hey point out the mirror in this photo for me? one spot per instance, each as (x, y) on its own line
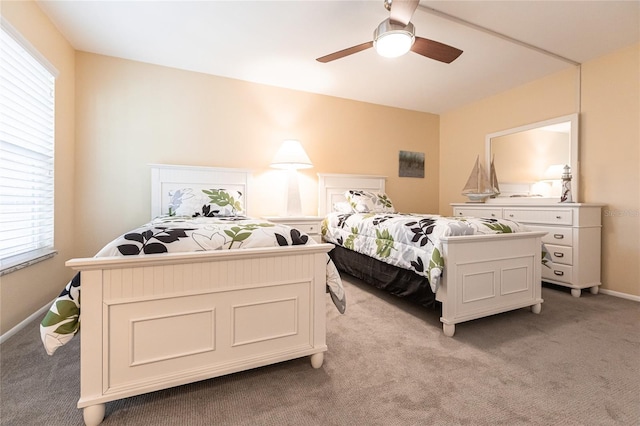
(529, 160)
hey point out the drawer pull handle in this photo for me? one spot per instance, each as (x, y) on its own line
(558, 273)
(558, 236)
(558, 217)
(493, 215)
(511, 215)
(558, 254)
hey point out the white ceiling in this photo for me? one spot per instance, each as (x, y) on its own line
(276, 42)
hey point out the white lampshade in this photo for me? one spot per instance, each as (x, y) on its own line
(553, 172)
(291, 155)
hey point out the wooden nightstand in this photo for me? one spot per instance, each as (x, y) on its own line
(310, 225)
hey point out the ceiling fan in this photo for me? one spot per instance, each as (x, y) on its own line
(395, 36)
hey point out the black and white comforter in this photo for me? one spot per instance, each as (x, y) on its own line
(173, 234)
(408, 241)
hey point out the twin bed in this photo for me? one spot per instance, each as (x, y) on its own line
(226, 311)
(485, 274)
(162, 320)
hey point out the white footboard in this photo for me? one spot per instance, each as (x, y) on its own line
(154, 322)
(489, 274)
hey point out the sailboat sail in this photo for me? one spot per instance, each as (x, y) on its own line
(493, 178)
(478, 186)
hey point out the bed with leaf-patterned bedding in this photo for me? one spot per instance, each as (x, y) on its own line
(199, 292)
(474, 267)
(180, 234)
(411, 242)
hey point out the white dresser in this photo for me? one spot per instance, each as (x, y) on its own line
(573, 237)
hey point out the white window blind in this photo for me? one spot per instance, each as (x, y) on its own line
(26, 154)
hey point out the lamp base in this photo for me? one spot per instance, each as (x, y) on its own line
(294, 205)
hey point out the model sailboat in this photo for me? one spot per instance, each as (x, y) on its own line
(478, 187)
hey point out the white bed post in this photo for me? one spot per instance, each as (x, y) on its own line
(319, 310)
(91, 342)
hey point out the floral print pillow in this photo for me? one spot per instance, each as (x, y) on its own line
(343, 207)
(205, 202)
(369, 202)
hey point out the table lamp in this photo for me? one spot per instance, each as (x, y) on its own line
(291, 157)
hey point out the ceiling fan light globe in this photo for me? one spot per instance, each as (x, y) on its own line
(393, 45)
(391, 39)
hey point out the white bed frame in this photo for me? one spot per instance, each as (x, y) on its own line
(484, 274)
(158, 321)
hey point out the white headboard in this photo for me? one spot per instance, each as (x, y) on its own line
(165, 178)
(331, 188)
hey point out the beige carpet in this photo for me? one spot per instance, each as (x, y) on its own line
(577, 363)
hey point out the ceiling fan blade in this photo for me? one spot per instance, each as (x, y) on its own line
(402, 10)
(345, 52)
(435, 50)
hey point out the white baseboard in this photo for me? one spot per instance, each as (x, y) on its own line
(26, 322)
(621, 295)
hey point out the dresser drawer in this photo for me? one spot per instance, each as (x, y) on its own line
(475, 212)
(555, 235)
(557, 272)
(310, 225)
(560, 254)
(550, 216)
(307, 228)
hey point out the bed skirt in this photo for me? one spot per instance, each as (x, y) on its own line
(392, 279)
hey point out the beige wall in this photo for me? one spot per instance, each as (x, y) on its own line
(131, 114)
(609, 144)
(25, 291)
(610, 161)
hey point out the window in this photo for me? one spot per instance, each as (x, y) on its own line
(27, 89)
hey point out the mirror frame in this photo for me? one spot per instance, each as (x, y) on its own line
(574, 164)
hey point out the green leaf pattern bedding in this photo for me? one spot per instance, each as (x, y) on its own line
(173, 234)
(407, 241)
